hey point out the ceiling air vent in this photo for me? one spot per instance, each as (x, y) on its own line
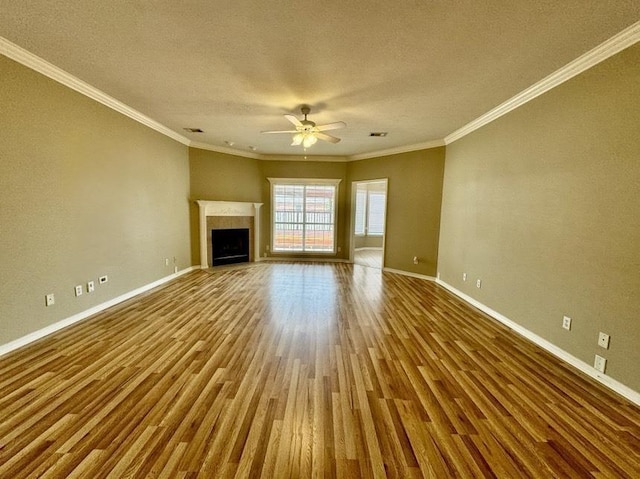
(193, 130)
(378, 133)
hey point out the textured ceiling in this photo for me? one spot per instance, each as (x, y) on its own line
(417, 69)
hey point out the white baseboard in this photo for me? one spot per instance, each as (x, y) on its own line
(304, 260)
(607, 381)
(408, 273)
(52, 328)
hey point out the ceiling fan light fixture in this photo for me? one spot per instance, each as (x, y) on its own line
(297, 139)
(306, 132)
(309, 140)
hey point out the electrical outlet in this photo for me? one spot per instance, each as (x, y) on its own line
(600, 363)
(103, 279)
(339, 249)
(49, 300)
(175, 269)
(79, 290)
(415, 260)
(566, 323)
(91, 286)
(438, 275)
(166, 261)
(603, 340)
(464, 276)
(478, 283)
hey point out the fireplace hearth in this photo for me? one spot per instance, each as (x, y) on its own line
(229, 246)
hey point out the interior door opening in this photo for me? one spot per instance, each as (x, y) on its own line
(369, 222)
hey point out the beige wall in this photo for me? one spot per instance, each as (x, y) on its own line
(413, 205)
(220, 177)
(544, 205)
(368, 241)
(84, 192)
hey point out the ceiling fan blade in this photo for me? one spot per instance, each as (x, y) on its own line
(293, 120)
(331, 126)
(325, 137)
(280, 131)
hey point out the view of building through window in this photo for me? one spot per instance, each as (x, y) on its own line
(304, 216)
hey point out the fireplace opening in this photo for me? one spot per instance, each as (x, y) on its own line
(230, 246)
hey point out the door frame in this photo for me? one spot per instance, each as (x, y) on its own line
(352, 222)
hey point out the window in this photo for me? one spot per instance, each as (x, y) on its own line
(370, 205)
(303, 214)
(375, 210)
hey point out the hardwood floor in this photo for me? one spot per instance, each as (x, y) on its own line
(304, 370)
(371, 257)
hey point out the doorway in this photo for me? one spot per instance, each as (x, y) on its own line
(369, 215)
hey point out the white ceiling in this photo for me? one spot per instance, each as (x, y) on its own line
(417, 69)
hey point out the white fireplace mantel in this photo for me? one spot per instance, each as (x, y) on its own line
(227, 208)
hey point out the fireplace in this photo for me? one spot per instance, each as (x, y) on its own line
(221, 215)
(229, 246)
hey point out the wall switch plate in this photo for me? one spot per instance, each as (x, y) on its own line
(478, 283)
(600, 363)
(49, 300)
(103, 279)
(91, 286)
(464, 276)
(78, 290)
(566, 323)
(166, 261)
(603, 340)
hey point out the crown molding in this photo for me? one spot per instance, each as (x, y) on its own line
(304, 157)
(607, 49)
(28, 59)
(265, 157)
(225, 150)
(400, 149)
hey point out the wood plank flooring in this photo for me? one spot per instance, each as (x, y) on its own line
(371, 257)
(304, 370)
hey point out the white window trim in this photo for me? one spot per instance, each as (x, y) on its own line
(305, 181)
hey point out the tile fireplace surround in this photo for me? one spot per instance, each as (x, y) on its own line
(226, 208)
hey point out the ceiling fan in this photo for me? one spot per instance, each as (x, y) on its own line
(307, 133)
